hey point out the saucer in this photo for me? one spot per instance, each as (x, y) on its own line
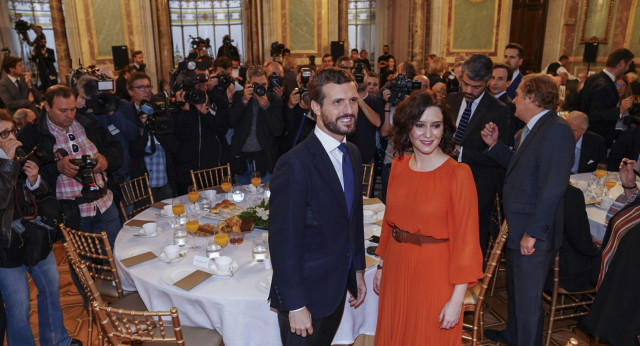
(178, 259)
(142, 235)
(234, 269)
(163, 214)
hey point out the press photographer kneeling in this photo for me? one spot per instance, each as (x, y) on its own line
(25, 246)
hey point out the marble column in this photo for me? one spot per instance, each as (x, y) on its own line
(418, 32)
(164, 47)
(60, 35)
(343, 23)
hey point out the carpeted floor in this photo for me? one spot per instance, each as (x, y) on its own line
(75, 317)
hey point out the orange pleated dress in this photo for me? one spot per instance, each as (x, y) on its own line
(417, 281)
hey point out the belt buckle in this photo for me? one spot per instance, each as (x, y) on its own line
(397, 235)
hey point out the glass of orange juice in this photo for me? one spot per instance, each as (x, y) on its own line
(226, 184)
(610, 181)
(256, 179)
(193, 194)
(192, 226)
(221, 238)
(601, 170)
(177, 206)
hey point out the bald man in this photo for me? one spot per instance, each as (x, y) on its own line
(23, 117)
(590, 147)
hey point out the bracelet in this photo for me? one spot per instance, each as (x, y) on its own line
(629, 187)
(379, 266)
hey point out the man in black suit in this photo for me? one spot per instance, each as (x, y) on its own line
(513, 57)
(590, 147)
(534, 184)
(316, 232)
(472, 109)
(599, 97)
(16, 90)
(498, 84)
(627, 145)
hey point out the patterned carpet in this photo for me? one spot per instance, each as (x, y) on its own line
(75, 317)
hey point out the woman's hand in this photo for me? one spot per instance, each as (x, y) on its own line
(450, 314)
(376, 281)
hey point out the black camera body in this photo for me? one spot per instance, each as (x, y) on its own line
(105, 83)
(259, 89)
(224, 80)
(453, 86)
(305, 77)
(185, 78)
(85, 176)
(276, 49)
(103, 103)
(195, 42)
(157, 124)
(274, 80)
(358, 73)
(400, 88)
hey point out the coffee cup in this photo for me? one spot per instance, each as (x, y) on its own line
(367, 215)
(167, 210)
(211, 194)
(172, 251)
(223, 264)
(149, 228)
(606, 202)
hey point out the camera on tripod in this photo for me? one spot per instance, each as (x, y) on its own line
(185, 77)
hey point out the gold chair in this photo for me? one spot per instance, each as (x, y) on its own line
(94, 251)
(367, 179)
(474, 297)
(150, 327)
(209, 178)
(502, 261)
(562, 310)
(136, 192)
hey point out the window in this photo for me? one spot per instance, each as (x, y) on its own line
(362, 28)
(205, 19)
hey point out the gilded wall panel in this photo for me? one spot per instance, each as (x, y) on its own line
(473, 25)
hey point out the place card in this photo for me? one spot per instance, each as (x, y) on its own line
(370, 261)
(159, 205)
(192, 280)
(137, 223)
(137, 259)
(371, 201)
(201, 261)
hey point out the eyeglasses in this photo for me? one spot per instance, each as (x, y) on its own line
(74, 146)
(143, 87)
(348, 68)
(5, 134)
(620, 85)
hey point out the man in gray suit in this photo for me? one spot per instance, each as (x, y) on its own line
(16, 90)
(536, 179)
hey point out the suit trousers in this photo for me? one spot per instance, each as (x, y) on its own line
(324, 328)
(526, 276)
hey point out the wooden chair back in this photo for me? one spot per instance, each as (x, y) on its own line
(94, 251)
(367, 179)
(137, 193)
(209, 178)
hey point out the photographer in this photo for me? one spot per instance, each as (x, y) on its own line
(228, 50)
(44, 58)
(151, 150)
(370, 117)
(256, 119)
(79, 185)
(200, 131)
(299, 120)
(275, 77)
(25, 246)
(222, 85)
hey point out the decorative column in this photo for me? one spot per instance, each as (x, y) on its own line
(343, 23)
(253, 38)
(418, 24)
(60, 35)
(164, 48)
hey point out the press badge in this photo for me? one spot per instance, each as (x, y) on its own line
(113, 129)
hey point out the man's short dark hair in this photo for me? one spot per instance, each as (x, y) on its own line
(343, 59)
(134, 77)
(516, 46)
(564, 57)
(255, 71)
(135, 53)
(222, 61)
(327, 56)
(386, 45)
(478, 68)
(329, 75)
(88, 86)
(354, 50)
(10, 62)
(509, 72)
(57, 90)
(409, 69)
(618, 55)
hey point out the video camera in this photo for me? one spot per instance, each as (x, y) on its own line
(195, 42)
(400, 87)
(227, 40)
(305, 76)
(105, 83)
(276, 49)
(358, 73)
(156, 124)
(185, 78)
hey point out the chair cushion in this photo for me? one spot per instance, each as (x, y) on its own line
(108, 289)
(130, 302)
(192, 336)
(471, 296)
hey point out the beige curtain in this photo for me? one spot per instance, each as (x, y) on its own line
(253, 34)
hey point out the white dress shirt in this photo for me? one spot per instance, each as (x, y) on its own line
(463, 105)
(330, 145)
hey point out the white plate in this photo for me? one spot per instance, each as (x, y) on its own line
(163, 214)
(139, 250)
(142, 235)
(372, 230)
(266, 280)
(178, 259)
(374, 207)
(176, 274)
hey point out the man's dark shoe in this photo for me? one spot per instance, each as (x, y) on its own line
(496, 335)
(75, 342)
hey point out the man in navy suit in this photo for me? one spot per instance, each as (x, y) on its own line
(513, 56)
(590, 147)
(534, 185)
(316, 230)
(599, 96)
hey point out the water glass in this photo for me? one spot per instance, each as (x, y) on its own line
(260, 250)
(213, 250)
(180, 236)
(238, 194)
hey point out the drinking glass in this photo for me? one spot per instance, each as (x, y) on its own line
(221, 238)
(601, 170)
(180, 236)
(192, 226)
(177, 206)
(610, 182)
(213, 248)
(226, 184)
(193, 195)
(238, 194)
(260, 250)
(256, 179)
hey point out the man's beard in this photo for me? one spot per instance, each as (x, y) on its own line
(334, 126)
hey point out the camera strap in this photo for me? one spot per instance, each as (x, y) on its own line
(29, 199)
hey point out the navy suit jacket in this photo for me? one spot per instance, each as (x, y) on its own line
(593, 152)
(511, 90)
(311, 233)
(599, 100)
(536, 180)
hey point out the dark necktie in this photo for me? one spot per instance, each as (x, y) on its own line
(18, 86)
(464, 121)
(347, 176)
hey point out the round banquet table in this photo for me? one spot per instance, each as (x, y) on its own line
(595, 213)
(237, 306)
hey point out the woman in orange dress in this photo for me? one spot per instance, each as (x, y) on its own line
(429, 242)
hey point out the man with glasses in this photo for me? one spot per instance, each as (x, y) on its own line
(327, 61)
(346, 63)
(472, 108)
(62, 135)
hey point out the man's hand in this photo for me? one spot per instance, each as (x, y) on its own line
(9, 147)
(362, 291)
(31, 98)
(180, 98)
(490, 134)
(101, 163)
(202, 108)
(300, 322)
(231, 89)
(294, 98)
(526, 245)
(31, 170)
(263, 101)
(66, 167)
(247, 93)
(279, 90)
(27, 79)
(625, 104)
(386, 94)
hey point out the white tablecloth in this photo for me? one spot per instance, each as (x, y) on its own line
(235, 306)
(595, 213)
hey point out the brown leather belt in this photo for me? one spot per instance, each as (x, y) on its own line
(417, 239)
